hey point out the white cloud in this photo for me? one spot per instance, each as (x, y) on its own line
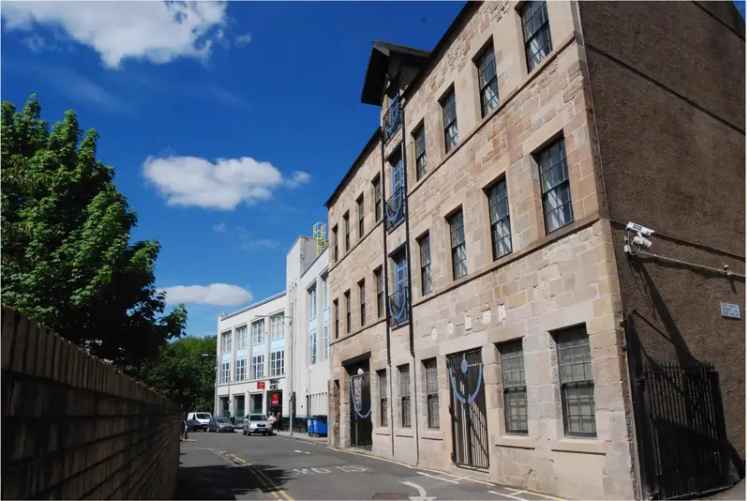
(223, 184)
(259, 243)
(220, 228)
(243, 40)
(154, 31)
(298, 178)
(213, 294)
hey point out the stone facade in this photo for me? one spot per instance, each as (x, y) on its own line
(550, 281)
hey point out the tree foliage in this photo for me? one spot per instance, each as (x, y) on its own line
(67, 259)
(185, 373)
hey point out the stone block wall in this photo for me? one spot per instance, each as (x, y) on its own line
(76, 428)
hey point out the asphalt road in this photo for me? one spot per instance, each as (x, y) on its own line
(232, 466)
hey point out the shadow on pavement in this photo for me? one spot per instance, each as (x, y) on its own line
(227, 481)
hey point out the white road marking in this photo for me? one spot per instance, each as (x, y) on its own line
(422, 493)
(298, 451)
(513, 491)
(511, 496)
(437, 477)
(553, 498)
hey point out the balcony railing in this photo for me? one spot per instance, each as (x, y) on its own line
(398, 306)
(392, 119)
(394, 209)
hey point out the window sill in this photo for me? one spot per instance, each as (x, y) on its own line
(432, 434)
(404, 432)
(580, 445)
(384, 431)
(515, 442)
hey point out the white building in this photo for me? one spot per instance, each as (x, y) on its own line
(251, 360)
(309, 327)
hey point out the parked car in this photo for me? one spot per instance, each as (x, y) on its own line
(199, 420)
(256, 423)
(220, 424)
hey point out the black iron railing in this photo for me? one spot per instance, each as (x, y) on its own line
(392, 119)
(394, 209)
(398, 306)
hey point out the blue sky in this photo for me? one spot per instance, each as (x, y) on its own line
(228, 125)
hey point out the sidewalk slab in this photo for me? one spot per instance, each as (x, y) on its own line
(303, 436)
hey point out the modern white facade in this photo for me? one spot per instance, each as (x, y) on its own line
(309, 326)
(251, 355)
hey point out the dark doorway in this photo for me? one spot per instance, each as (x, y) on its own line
(468, 409)
(681, 431)
(361, 410)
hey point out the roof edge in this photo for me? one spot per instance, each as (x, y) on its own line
(253, 305)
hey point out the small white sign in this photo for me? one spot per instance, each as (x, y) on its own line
(730, 310)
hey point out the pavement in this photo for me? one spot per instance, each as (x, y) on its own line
(233, 466)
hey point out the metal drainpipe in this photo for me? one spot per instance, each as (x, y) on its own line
(386, 299)
(408, 270)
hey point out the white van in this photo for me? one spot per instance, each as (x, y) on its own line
(198, 420)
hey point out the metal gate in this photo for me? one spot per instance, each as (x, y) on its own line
(682, 433)
(361, 410)
(468, 410)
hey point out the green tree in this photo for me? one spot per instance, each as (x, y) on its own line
(67, 259)
(185, 372)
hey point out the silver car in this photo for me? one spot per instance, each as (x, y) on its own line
(256, 423)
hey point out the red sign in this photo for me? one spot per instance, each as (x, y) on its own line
(275, 399)
(261, 385)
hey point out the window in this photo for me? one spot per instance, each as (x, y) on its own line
(335, 242)
(277, 326)
(398, 302)
(313, 342)
(380, 293)
(242, 339)
(361, 285)
(336, 318)
(256, 331)
(458, 245)
(277, 363)
(497, 196)
(346, 231)
(489, 95)
(420, 152)
(404, 380)
(258, 366)
(536, 36)
(514, 387)
(431, 389)
(348, 304)
(424, 264)
(450, 125)
(553, 174)
(226, 342)
(377, 196)
(312, 307)
(224, 372)
(361, 216)
(576, 382)
(325, 338)
(239, 370)
(383, 392)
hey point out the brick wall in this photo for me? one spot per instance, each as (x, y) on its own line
(75, 428)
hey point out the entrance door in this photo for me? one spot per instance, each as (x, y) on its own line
(468, 410)
(361, 410)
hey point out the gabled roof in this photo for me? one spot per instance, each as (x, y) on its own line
(377, 67)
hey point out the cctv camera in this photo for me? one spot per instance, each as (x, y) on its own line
(640, 229)
(640, 241)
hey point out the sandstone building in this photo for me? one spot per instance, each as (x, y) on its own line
(485, 314)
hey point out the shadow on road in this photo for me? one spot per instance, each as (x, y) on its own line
(227, 481)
